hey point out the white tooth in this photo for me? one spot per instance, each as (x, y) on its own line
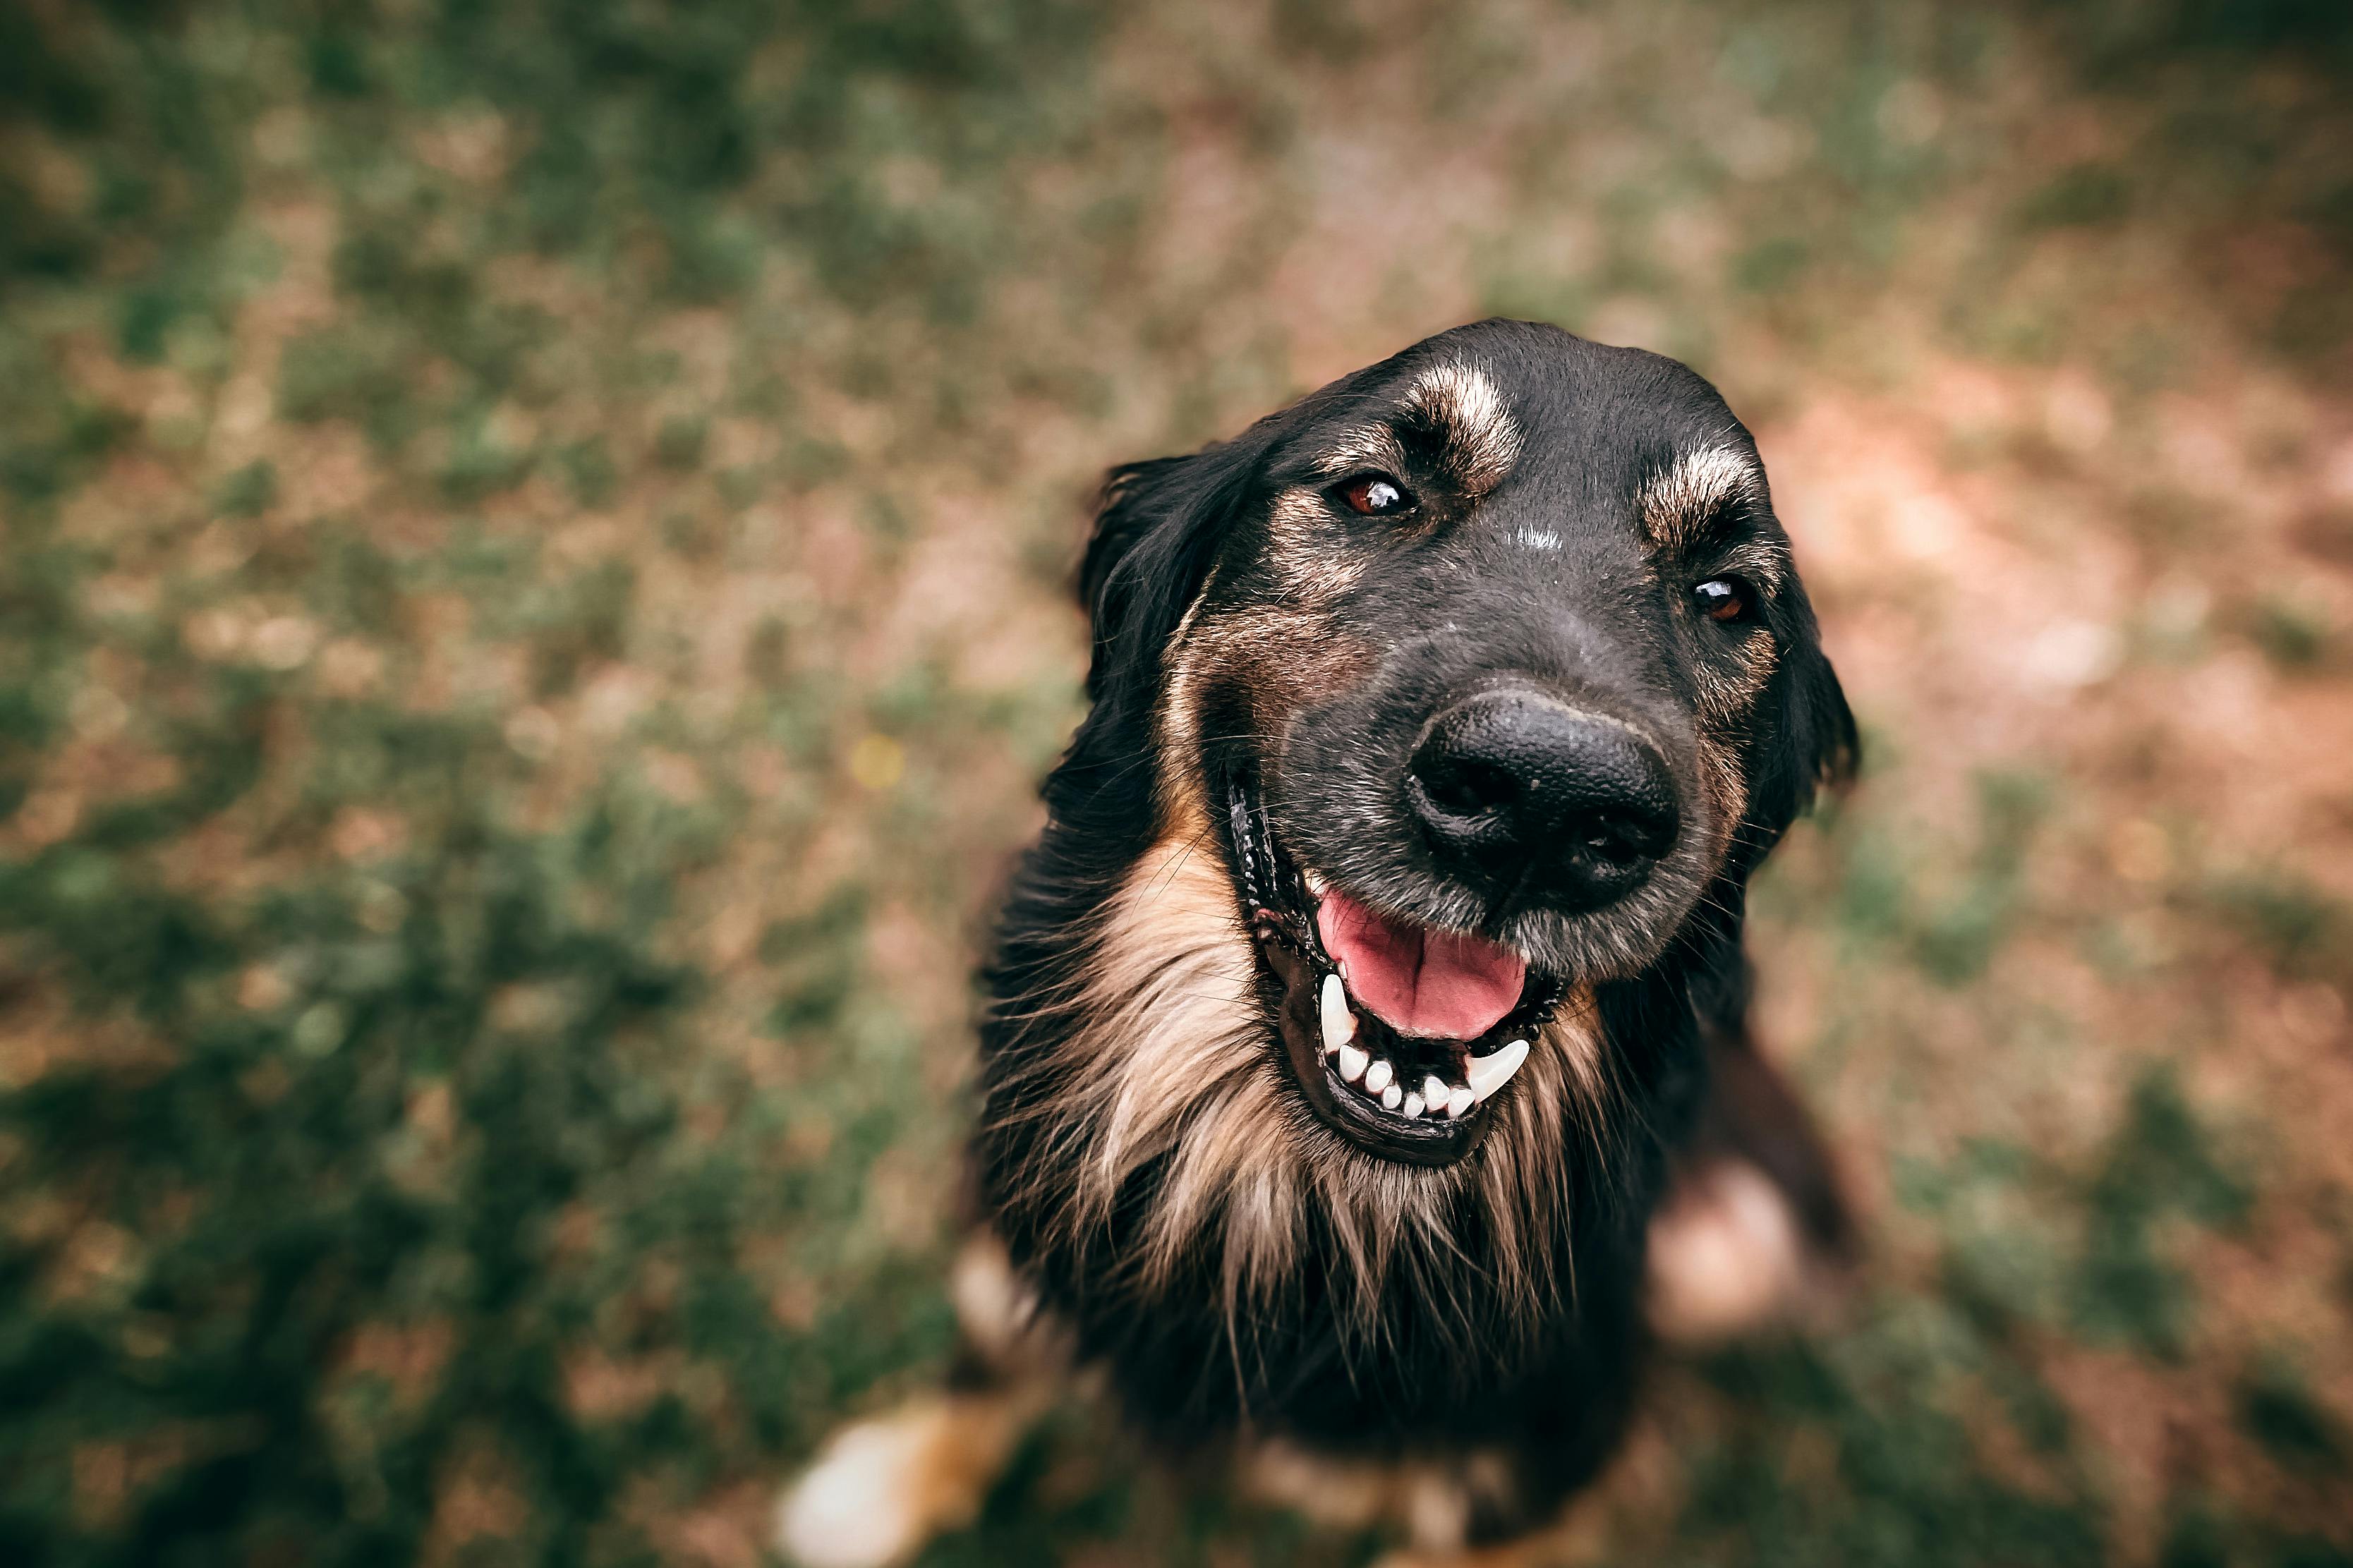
(1433, 1092)
(1339, 1024)
(1377, 1075)
(1352, 1062)
(1458, 1100)
(1489, 1073)
(1315, 883)
(1392, 1097)
(1412, 1106)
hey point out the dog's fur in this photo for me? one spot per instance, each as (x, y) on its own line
(1158, 1200)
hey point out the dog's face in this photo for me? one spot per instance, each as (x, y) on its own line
(1479, 669)
(1438, 723)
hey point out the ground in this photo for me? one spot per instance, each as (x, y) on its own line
(536, 597)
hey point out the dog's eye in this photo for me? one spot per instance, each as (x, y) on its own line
(1374, 495)
(1721, 599)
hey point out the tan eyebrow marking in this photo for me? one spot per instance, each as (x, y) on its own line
(1479, 439)
(1677, 503)
(1482, 439)
(1371, 447)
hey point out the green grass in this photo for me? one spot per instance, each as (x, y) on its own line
(533, 599)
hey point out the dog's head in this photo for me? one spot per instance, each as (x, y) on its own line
(1438, 721)
(1478, 670)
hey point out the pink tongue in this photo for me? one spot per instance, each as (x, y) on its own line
(1420, 981)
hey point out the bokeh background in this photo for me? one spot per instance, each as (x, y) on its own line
(534, 599)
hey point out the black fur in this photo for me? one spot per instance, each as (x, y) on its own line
(1450, 1361)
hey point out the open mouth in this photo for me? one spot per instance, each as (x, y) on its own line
(1401, 1037)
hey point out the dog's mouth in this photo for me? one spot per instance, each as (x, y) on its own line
(1401, 1037)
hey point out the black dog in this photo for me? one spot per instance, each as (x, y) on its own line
(1366, 990)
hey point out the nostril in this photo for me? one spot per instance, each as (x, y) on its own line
(1624, 837)
(1517, 789)
(1466, 786)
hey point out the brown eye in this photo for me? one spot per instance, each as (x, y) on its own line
(1721, 599)
(1374, 495)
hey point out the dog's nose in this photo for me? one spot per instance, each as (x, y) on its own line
(1528, 799)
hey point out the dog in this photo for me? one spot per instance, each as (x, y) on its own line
(1366, 1084)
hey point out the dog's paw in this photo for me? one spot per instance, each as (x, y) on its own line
(1529, 1554)
(1728, 1255)
(882, 1488)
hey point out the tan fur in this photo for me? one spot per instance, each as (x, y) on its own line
(1480, 443)
(1180, 789)
(1430, 1501)
(1480, 440)
(1483, 440)
(1726, 702)
(1314, 568)
(1169, 1065)
(883, 1488)
(1681, 500)
(1373, 447)
(1282, 655)
(1336, 1493)
(999, 1311)
(1725, 1255)
(1526, 1552)
(1727, 705)
(1175, 1060)
(1675, 507)
(1725, 789)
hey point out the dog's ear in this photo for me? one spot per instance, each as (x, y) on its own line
(1812, 744)
(1157, 533)
(1821, 725)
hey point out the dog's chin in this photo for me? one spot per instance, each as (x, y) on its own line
(1404, 1055)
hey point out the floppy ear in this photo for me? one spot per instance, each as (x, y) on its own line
(1812, 743)
(1155, 537)
(1821, 725)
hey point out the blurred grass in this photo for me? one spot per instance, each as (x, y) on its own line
(532, 607)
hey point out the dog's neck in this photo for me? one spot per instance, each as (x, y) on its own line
(1155, 1170)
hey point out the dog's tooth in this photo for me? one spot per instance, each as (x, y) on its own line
(1377, 1075)
(1412, 1106)
(1314, 880)
(1392, 1097)
(1433, 1091)
(1458, 1100)
(1339, 1024)
(1352, 1062)
(1489, 1073)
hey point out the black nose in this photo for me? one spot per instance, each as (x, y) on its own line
(1533, 801)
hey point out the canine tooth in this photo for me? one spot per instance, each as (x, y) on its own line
(1489, 1073)
(1433, 1091)
(1314, 880)
(1392, 1097)
(1412, 1106)
(1352, 1062)
(1377, 1075)
(1339, 1024)
(1458, 1100)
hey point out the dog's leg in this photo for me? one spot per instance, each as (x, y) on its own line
(1469, 1516)
(1463, 1513)
(1533, 1552)
(1755, 1217)
(882, 1488)
(1337, 1494)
